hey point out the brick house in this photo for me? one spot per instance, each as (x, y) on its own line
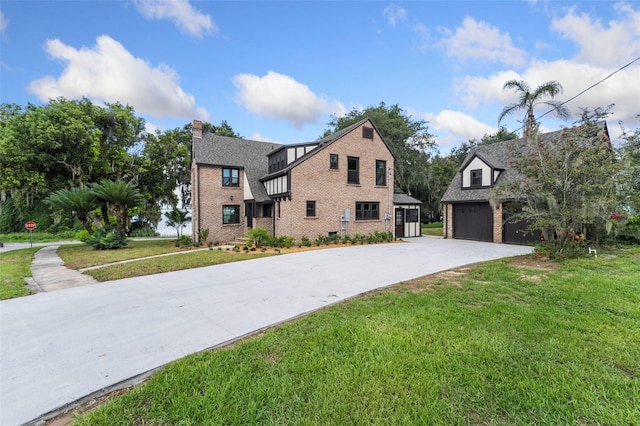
(340, 184)
(467, 212)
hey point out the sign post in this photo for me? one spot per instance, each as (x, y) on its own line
(30, 226)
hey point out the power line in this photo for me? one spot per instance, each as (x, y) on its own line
(585, 90)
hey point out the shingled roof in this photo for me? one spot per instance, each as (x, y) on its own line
(252, 156)
(498, 156)
(223, 151)
(323, 143)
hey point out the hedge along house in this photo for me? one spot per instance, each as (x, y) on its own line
(467, 212)
(340, 184)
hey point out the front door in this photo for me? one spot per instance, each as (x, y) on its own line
(399, 223)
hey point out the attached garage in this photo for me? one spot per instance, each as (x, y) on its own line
(473, 221)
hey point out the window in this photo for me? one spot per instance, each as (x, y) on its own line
(230, 214)
(230, 177)
(333, 161)
(353, 173)
(367, 132)
(311, 208)
(381, 173)
(412, 215)
(266, 210)
(367, 211)
(476, 178)
(277, 161)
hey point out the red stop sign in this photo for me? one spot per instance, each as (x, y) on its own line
(30, 225)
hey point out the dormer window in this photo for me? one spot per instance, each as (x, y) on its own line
(476, 178)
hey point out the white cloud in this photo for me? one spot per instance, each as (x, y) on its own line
(255, 136)
(455, 127)
(622, 89)
(280, 96)
(478, 41)
(608, 46)
(4, 23)
(110, 73)
(186, 18)
(394, 13)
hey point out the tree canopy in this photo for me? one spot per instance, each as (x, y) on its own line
(70, 144)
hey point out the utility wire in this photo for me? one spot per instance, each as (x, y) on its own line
(584, 91)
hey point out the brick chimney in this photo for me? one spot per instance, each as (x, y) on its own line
(197, 129)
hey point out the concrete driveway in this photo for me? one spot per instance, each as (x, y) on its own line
(59, 347)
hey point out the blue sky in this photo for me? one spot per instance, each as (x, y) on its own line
(277, 71)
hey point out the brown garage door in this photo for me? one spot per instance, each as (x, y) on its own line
(473, 221)
(515, 233)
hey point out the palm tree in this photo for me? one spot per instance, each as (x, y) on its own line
(120, 196)
(528, 100)
(77, 201)
(178, 219)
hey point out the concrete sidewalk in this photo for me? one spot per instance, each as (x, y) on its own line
(49, 273)
(61, 346)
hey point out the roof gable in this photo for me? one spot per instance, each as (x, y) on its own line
(325, 142)
(240, 153)
(498, 155)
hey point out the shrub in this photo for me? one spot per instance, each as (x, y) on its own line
(282, 241)
(185, 240)
(305, 241)
(259, 237)
(203, 235)
(322, 240)
(106, 240)
(142, 229)
(82, 235)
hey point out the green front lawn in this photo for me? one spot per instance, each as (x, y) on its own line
(514, 341)
(434, 229)
(15, 265)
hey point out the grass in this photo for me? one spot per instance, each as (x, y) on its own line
(38, 237)
(178, 262)
(14, 267)
(514, 341)
(434, 229)
(82, 256)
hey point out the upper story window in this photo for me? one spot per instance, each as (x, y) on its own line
(367, 211)
(353, 170)
(311, 208)
(333, 161)
(476, 178)
(278, 161)
(367, 132)
(381, 173)
(230, 177)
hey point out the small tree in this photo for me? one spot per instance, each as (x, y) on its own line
(566, 184)
(178, 219)
(259, 237)
(79, 202)
(120, 196)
